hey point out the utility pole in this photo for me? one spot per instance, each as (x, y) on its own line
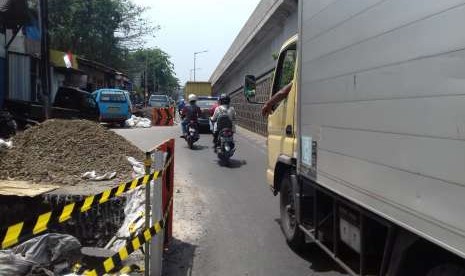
(192, 70)
(44, 57)
(195, 57)
(146, 89)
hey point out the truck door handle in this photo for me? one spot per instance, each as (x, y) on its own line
(289, 130)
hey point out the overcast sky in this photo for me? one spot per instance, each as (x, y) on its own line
(189, 26)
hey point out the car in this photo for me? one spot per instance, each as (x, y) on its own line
(128, 97)
(206, 103)
(159, 101)
(72, 102)
(113, 105)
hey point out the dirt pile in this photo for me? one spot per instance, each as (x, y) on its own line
(60, 151)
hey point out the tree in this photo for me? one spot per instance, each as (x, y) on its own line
(160, 71)
(100, 30)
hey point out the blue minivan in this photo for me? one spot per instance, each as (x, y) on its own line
(113, 105)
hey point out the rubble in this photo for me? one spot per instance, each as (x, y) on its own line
(60, 151)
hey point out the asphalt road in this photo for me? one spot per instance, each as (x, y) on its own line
(227, 218)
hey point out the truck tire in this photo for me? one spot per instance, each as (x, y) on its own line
(294, 236)
(447, 270)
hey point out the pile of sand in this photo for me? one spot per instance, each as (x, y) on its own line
(60, 151)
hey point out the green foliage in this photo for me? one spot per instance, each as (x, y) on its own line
(160, 71)
(112, 32)
(100, 30)
(275, 56)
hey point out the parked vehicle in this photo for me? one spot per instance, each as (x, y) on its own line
(206, 103)
(159, 101)
(199, 88)
(72, 98)
(69, 103)
(131, 106)
(367, 152)
(225, 146)
(113, 105)
(192, 134)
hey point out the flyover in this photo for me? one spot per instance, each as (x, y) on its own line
(253, 52)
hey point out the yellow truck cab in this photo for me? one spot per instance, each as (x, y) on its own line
(282, 140)
(281, 123)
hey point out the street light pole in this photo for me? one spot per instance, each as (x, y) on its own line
(192, 70)
(195, 57)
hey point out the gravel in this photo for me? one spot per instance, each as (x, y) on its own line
(60, 151)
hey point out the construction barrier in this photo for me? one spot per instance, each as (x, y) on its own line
(159, 203)
(159, 165)
(24, 230)
(168, 182)
(163, 116)
(133, 244)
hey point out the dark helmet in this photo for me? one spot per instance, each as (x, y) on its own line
(224, 99)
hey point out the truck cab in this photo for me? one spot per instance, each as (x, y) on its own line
(282, 140)
(281, 123)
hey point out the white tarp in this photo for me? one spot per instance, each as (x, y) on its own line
(5, 144)
(135, 121)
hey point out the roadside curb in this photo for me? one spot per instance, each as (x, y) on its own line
(252, 136)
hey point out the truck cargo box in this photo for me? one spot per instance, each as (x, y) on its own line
(381, 103)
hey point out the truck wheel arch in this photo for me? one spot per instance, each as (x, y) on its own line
(283, 165)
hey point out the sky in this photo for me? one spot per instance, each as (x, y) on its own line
(189, 26)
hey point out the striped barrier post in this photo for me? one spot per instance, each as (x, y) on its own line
(24, 230)
(162, 227)
(163, 116)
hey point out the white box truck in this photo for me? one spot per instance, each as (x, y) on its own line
(367, 151)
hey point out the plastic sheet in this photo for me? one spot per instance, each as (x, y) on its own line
(47, 254)
(92, 175)
(5, 144)
(135, 121)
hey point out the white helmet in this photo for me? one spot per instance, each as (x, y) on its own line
(192, 98)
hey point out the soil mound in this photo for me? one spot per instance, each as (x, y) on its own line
(60, 151)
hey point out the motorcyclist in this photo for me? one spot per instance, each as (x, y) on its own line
(211, 110)
(189, 113)
(224, 109)
(181, 105)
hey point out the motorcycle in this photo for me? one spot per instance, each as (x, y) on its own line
(192, 134)
(225, 146)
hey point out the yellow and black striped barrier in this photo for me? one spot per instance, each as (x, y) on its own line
(115, 262)
(24, 230)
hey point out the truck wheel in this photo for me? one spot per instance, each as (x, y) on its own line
(294, 236)
(447, 270)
